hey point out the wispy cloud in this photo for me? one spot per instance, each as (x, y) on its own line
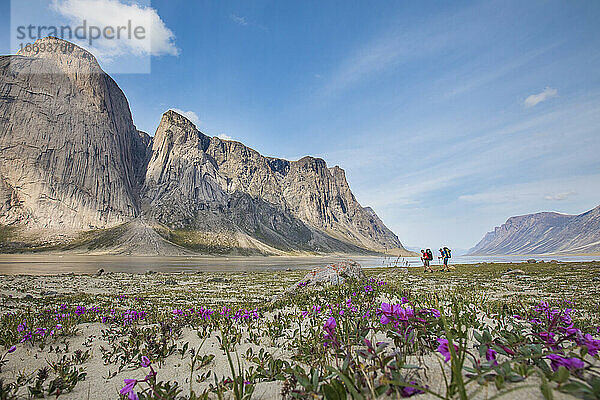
(559, 196)
(469, 80)
(549, 141)
(239, 19)
(224, 137)
(533, 193)
(384, 53)
(158, 38)
(192, 116)
(535, 99)
(408, 43)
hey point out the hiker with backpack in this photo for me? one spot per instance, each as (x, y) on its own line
(445, 255)
(426, 257)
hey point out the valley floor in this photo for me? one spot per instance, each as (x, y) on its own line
(236, 334)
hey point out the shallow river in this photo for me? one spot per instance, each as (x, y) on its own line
(46, 264)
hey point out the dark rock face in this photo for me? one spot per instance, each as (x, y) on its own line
(542, 233)
(72, 161)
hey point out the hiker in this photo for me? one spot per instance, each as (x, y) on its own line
(426, 257)
(445, 255)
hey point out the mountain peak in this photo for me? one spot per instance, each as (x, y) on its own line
(175, 118)
(203, 193)
(179, 129)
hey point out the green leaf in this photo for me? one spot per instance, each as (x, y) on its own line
(339, 387)
(499, 381)
(303, 380)
(561, 375)
(482, 350)
(486, 336)
(348, 383)
(330, 393)
(315, 378)
(546, 389)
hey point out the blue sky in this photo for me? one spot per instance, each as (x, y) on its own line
(448, 117)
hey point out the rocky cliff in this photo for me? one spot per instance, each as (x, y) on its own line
(228, 193)
(74, 166)
(67, 144)
(544, 233)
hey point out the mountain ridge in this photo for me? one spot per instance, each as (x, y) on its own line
(88, 168)
(543, 233)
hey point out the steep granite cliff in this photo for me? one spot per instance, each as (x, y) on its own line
(230, 193)
(67, 143)
(73, 167)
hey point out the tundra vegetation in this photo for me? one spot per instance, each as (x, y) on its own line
(484, 331)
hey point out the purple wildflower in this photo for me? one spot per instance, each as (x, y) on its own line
(26, 337)
(145, 362)
(408, 391)
(432, 311)
(547, 337)
(329, 328)
(490, 355)
(12, 349)
(129, 385)
(593, 345)
(444, 349)
(508, 350)
(572, 363)
(330, 325)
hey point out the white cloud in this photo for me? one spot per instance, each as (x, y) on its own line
(532, 193)
(224, 137)
(239, 19)
(157, 38)
(192, 116)
(559, 196)
(544, 95)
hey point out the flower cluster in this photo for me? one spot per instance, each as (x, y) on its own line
(404, 318)
(128, 389)
(329, 337)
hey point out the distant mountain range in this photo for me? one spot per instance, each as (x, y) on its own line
(76, 174)
(544, 233)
